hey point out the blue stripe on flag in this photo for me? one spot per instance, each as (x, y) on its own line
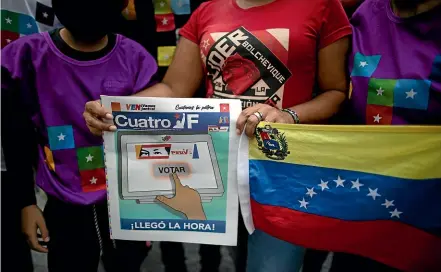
(360, 197)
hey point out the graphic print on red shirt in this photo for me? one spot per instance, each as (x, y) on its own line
(248, 65)
(265, 54)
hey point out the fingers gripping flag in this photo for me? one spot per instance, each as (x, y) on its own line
(364, 190)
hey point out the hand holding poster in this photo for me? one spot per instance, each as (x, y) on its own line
(171, 169)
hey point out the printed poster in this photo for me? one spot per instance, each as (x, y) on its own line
(172, 169)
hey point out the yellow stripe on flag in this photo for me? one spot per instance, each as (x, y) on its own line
(412, 152)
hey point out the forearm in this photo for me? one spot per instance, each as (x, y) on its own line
(320, 108)
(19, 143)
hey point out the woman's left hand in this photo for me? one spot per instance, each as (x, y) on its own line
(260, 112)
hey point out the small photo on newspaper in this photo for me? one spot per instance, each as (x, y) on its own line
(171, 169)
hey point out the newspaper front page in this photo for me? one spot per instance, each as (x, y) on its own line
(172, 169)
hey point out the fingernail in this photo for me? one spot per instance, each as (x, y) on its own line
(112, 128)
(47, 239)
(109, 116)
(238, 131)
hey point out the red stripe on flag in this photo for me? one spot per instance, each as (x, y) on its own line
(390, 242)
(273, 44)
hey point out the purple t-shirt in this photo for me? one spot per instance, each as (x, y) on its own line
(395, 66)
(56, 88)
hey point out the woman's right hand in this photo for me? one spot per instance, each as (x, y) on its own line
(94, 114)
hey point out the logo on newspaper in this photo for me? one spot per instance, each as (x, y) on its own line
(272, 142)
(140, 107)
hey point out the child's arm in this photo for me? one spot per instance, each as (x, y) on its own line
(18, 140)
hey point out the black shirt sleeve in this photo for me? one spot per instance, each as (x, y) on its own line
(19, 142)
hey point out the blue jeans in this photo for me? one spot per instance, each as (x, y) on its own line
(267, 253)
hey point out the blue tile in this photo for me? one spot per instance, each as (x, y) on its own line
(61, 137)
(27, 25)
(412, 94)
(365, 66)
(181, 7)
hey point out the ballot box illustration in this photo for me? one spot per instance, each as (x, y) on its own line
(148, 159)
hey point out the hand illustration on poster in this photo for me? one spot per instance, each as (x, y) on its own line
(186, 200)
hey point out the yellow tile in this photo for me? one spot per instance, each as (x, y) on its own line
(165, 55)
(162, 6)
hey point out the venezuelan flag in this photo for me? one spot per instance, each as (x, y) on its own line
(367, 190)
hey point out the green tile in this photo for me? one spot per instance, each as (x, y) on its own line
(10, 21)
(90, 158)
(381, 91)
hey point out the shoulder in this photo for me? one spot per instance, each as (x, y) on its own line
(369, 9)
(212, 8)
(128, 45)
(34, 42)
(27, 50)
(133, 52)
(210, 5)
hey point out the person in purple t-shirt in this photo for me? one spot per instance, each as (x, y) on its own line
(52, 75)
(395, 68)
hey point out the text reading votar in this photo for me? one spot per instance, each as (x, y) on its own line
(186, 121)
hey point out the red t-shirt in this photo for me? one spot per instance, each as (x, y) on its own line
(265, 54)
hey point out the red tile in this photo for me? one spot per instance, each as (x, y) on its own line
(165, 22)
(378, 115)
(93, 180)
(8, 37)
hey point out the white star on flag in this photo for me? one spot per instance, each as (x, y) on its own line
(373, 193)
(339, 182)
(303, 203)
(380, 91)
(363, 64)
(395, 213)
(61, 137)
(93, 180)
(323, 185)
(388, 203)
(89, 158)
(162, 4)
(28, 25)
(311, 192)
(356, 184)
(8, 40)
(45, 15)
(377, 118)
(411, 94)
(8, 20)
(164, 21)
